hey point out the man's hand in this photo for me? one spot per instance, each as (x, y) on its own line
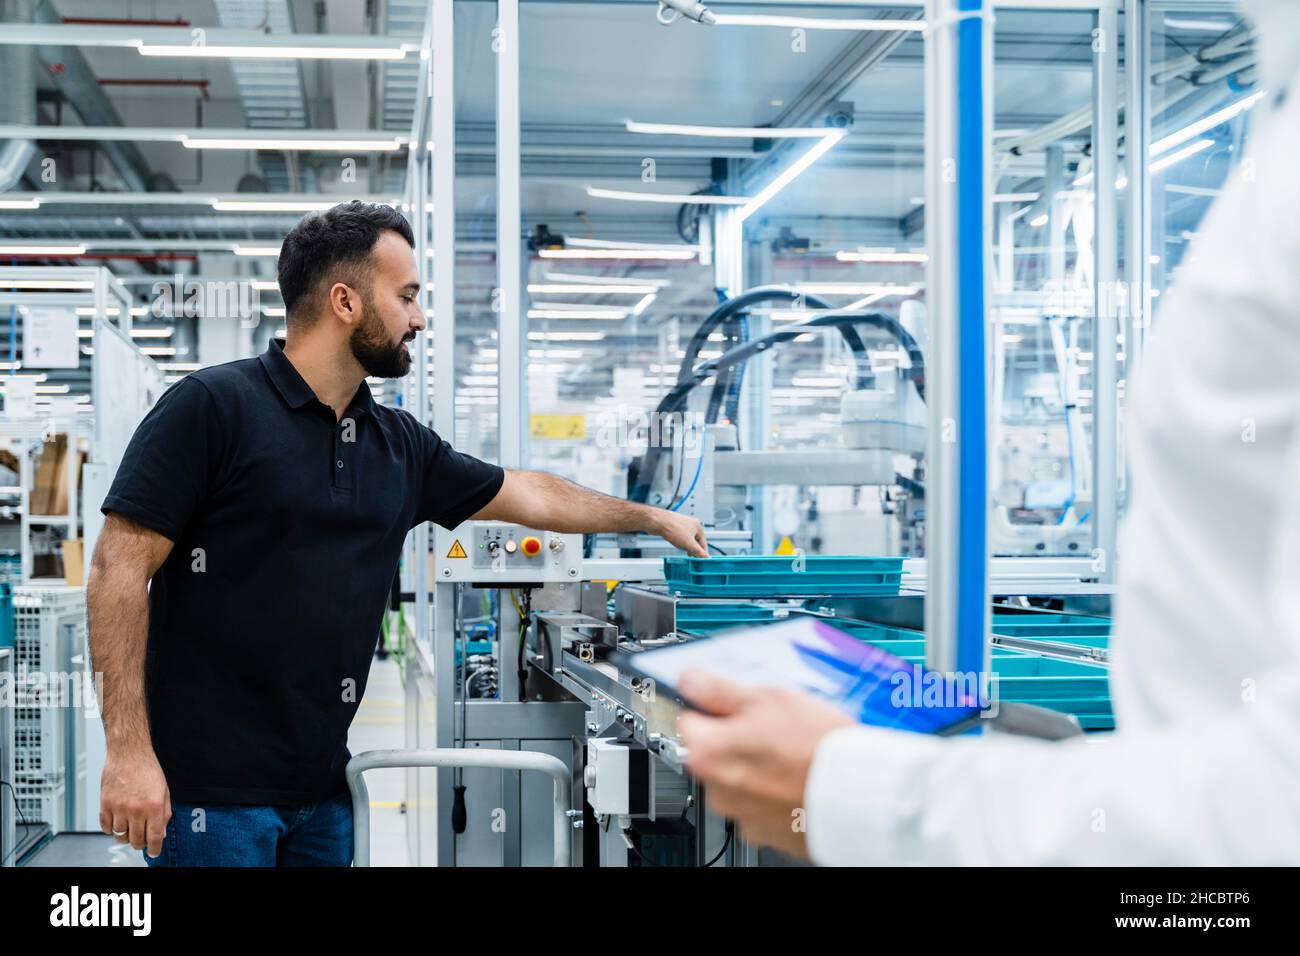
(682, 531)
(134, 802)
(536, 499)
(753, 748)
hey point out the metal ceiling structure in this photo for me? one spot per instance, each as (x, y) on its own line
(586, 69)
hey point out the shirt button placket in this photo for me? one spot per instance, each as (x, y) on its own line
(341, 477)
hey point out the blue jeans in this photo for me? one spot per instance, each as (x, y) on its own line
(229, 834)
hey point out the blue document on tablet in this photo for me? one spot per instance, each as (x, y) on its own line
(808, 654)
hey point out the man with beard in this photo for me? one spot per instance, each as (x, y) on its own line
(251, 538)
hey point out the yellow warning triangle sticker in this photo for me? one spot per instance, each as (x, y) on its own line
(456, 550)
(786, 546)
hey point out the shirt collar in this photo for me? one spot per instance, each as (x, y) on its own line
(294, 388)
(363, 401)
(285, 377)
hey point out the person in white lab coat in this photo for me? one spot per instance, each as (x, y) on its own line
(1205, 765)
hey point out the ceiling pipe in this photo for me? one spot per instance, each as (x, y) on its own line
(18, 104)
(78, 83)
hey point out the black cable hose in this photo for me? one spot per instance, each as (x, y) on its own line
(676, 399)
(757, 296)
(735, 380)
(734, 334)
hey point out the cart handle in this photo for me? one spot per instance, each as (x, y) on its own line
(521, 760)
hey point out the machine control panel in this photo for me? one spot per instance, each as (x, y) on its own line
(483, 552)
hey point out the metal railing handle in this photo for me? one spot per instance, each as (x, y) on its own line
(522, 760)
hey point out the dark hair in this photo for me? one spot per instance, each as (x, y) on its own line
(343, 235)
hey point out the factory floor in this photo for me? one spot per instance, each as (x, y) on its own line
(377, 726)
(380, 725)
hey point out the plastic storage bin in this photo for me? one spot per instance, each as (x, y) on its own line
(783, 576)
(707, 617)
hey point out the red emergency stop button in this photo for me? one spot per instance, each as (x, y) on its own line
(532, 546)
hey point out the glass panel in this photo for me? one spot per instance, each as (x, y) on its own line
(1203, 88)
(1043, 301)
(610, 330)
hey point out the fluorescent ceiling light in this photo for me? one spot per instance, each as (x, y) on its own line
(590, 288)
(729, 132)
(266, 285)
(273, 312)
(1159, 165)
(259, 205)
(855, 288)
(865, 301)
(262, 51)
(645, 254)
(582, 242)
(46, 284)
(577, 313)
(66, 249)
(824, 381)
(867, 255)
(292, 143)
(791, 173)
(565, 337)
(31, 203)
(242, 250)
(555, 353)
(1212, 26)
(1039, 221)
(676, 199)
(1015, 197)
(1217, 118)
(573, 277)
(817, 23)
(644, 303)
(1164, 162)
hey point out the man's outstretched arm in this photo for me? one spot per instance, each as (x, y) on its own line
(540, 500)
(133, 798)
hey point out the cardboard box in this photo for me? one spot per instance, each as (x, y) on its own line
(48, 472)
(59, 499)
(73, 563)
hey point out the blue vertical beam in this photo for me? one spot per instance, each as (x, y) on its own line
(959, 239)
(972, 410)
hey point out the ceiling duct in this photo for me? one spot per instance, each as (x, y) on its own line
(271, 91)
(18, 104)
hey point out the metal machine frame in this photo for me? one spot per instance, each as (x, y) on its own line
(958, 577)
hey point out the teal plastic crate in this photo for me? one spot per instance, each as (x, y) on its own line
(6, 614)
(776, 576)
(1076, 629)
(1071, 687)
(705, 618)
(1078, 688)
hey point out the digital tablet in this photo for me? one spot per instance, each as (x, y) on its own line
(806, 654)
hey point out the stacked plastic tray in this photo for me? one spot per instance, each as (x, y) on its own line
(1073, 687)
(1076, 629)
(783, 576)
(705, 617)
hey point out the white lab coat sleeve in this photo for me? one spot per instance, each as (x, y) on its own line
(1224, 792)
(1221, 789)
(1218, 790)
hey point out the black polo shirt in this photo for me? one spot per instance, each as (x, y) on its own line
(288, 526)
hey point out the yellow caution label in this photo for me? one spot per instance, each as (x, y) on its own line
(456, 550)
(786, 546)
(557, 426)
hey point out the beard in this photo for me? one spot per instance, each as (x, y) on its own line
(376, 353)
